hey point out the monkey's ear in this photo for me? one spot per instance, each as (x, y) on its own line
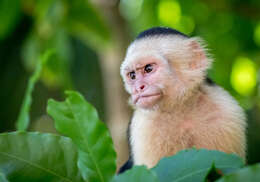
(199, 59)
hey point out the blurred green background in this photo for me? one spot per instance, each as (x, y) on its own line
(90, 39)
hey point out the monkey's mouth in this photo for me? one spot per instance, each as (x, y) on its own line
(146, 97)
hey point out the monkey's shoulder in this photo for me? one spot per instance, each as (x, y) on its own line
(221, 104)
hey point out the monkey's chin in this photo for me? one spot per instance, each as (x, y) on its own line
(148, 101)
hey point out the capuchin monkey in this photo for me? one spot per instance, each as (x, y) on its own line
(175, 105)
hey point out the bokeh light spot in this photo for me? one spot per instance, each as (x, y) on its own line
(244, 76)
(169, 12)
(257, 35)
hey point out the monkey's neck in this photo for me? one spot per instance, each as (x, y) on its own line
(158, 133)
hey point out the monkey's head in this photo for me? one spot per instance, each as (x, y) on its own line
(162, 67)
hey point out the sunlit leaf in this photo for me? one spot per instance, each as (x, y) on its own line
(9, 16)
(251, 173)
(169, 12)
(136, 174)
(24, 115)
(244, 76)
(77, 119)
(194, 165)
(34, 157)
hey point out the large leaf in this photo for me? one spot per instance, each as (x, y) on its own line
(194, 165)
(24, 115)
(79, 120)
(36, 157)
(3, 178)
(9, 16)
(251, 173)
(136, 174)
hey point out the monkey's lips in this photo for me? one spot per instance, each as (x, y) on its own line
(146, 99)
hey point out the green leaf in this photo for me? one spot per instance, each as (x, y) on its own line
(9, 16)
(77, 119)
(36, 157)
(251, 173)
(3, 178)
(24, 117)
(136, 174)
(194, 165)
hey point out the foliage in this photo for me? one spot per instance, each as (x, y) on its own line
(29, 28)
(88, 153)
(55, 23)
(24, 118)
(26, 156)
(194, 165)
(78, 119)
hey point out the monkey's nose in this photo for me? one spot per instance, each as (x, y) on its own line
(142, 87)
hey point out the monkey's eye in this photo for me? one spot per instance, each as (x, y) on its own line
(148, 68)
(132, 75)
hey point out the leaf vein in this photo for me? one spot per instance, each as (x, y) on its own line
(87, 145)
(35, 165)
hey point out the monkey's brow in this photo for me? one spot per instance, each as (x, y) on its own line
(140, 67)
(127, 69)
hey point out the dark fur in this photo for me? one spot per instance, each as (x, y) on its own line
(156, 31)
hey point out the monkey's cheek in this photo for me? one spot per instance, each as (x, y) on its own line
(147, 102)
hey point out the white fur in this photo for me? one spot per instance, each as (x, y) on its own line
(213, 120)
(191, 114)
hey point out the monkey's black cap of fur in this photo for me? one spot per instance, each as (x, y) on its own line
(159, 31)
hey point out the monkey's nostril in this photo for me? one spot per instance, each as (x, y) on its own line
(142, 87)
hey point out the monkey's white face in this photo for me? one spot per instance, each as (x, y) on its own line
(144, 83)
(161, 71)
